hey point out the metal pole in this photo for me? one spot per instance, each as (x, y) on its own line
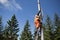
(42, 35)
(36, 38)
(41, 29)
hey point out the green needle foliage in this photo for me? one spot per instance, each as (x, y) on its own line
(10, 33)
(1, 28)
(26, 33)
(57, 29)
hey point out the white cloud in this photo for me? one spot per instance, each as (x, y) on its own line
(11, 4)
(18, 6)
(3, 1)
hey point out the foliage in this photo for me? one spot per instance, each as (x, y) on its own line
(10, 33)
(1, 28)
(57, 25)
(51, 29)
(26, 34)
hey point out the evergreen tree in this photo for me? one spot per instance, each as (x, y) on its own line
(5, 34)
(10, 33)
(47, 30)
(57, 25)
(26, 33)
(1, 28)
(56, 19)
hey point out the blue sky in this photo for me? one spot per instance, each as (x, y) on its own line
(27, 9)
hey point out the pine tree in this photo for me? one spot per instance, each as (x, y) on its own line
(5, 33)
(1, 28)
(56, 19)
(57, 25)
(47, 30)
(10, 33)
(26, 33)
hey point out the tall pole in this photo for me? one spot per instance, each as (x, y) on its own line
(42, 35)
(39, 9)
